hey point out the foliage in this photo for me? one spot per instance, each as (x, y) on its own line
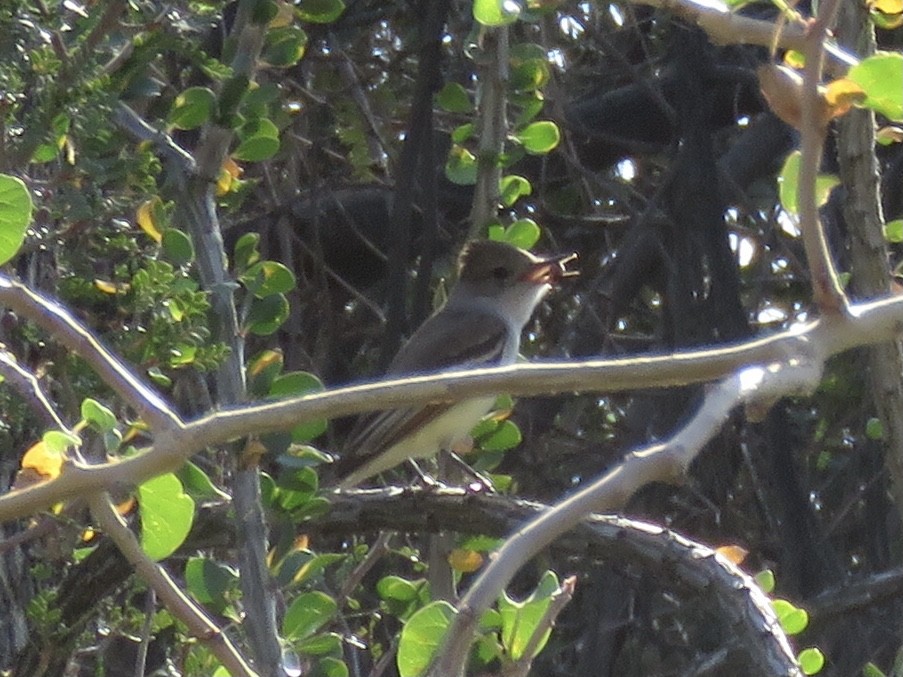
(593, 156)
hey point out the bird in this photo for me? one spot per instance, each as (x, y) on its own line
(499, 286)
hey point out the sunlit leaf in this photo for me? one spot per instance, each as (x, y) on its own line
(15, 215)
(421, 637)
(167, 514)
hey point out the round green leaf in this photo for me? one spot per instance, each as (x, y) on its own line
(268, 277)
(523, 233)
(256, 149)
(320, 644)
(397, 588)
(98, 415)
(294, 384)
(198, 483)
(521, 620)
(192, 108)
(167, 513)
(208, 581)
(177, 246)
(792, 619)
(788, 184)
(874, 429)
(307, 614)
(421, 637)
(496, 12)
(267, 314)
(512, 188)
(58, 441)
(540, 137)
(461, 166)
(329, 666)
(811, 661)
(462, 133)
(506, 436)
(765, 580)
(246, 253)
(454, 99)
(15, 215)
(880, 76)
(284, 46)
(893, 231)
(320, 11)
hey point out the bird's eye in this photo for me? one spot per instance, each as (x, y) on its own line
(500, 272)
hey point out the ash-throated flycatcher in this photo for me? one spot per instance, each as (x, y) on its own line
(498, 288)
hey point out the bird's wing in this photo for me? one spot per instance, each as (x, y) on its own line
(438, 345)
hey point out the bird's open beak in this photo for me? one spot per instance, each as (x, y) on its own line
(551, 270)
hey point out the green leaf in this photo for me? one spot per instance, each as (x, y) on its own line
(506, 436)
(284, 46)
(397, 588)
(262, 370)
(538, 138)
(268, 314)
(874, 429)
(177, 246)
(893, 231)
(329, 666)
(788, 184)
(523, 233)
(461, 166)
(294, 384)
(319, 644)
(792, 619)
(208, 581)
(454, 99)
(765, 580)
(496, 12)
(59, 441)
(530, 75)
(460, 134)
(259, 140)
(521, 620)
(512, 188)
(811, 661)
(320, 11)
(246, 253)
(422, 636)
(192, 108)
(872, 670)
(880, 76)
(98, 415)
(167, 513)
(15, 215)
(268, 277)
(198, 483)
(307, 614)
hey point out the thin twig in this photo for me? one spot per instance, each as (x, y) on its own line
(65, 328)
(827, 291)
(175, 600)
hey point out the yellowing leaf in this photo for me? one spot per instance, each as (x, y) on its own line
(127, 506)
(145, 219)
(43, 460)
(285, 15)
(229, 172)
(733, 553)
(112, 288)
(887, 6)
(88, 535)
(465, 561)
(794, 59)
(843, 94)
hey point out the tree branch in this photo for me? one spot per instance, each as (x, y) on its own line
(175, 600)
